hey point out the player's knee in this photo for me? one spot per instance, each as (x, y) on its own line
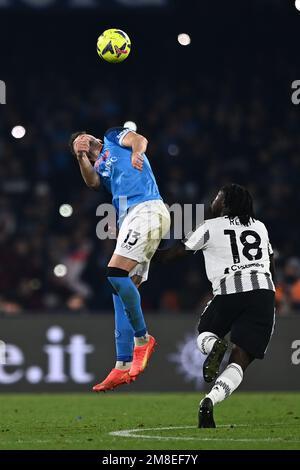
(116, 277)
(116, 272)
(137, 280)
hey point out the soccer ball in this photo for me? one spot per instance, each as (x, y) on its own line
(113, 45)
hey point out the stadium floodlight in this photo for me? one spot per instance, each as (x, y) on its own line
(184, 39)
(18, 132)
(297, 4)
(130, 125)
(60, 270)
(66, 210)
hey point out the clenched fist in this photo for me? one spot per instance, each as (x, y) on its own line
(81, 145)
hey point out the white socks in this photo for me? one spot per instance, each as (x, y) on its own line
(226, 383)
(205, 341)
(123, 365)
(141, 340)
(229, 380)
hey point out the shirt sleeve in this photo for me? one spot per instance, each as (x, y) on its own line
(117, 134)
(198, 239)
(270, 249)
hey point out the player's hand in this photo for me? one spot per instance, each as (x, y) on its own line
(137, 160)
(81, 146)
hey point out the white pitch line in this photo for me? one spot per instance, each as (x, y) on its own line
(133, 434)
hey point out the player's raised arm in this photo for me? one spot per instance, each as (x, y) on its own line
(138, 143)
(88, 173)
(83, 149)
(194, 241)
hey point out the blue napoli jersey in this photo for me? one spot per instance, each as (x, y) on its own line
(118, 175)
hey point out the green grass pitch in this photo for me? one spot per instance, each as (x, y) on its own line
(86, 421)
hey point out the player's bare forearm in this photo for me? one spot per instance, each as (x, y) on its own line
(172, 252)
(88, 173)
(139, 144)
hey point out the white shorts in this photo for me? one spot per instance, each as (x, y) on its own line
(140, 234)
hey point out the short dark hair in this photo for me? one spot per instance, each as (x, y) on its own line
(238, 202)
(72, 138)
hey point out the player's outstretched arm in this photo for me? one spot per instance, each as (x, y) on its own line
(173, 252)
(138, 143)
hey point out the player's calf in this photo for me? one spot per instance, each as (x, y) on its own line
(225, 384)
(130, 297)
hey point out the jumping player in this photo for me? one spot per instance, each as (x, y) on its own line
(239, 263)
(119, 164)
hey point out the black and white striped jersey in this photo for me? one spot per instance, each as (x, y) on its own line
(237, 257)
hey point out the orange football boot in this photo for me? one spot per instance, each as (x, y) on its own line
(114, 379)
(141, 356)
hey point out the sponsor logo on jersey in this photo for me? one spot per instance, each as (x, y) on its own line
(104, 163)
(239, 267)
(103, 157)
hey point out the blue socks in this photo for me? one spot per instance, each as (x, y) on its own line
(124, 334)
(130, 297)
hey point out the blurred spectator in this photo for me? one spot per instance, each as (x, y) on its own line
(288, 287)
(206, 126)
(76, 303)
(169, 301)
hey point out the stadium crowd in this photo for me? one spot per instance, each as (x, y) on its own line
(195, 146)
(204, 130)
